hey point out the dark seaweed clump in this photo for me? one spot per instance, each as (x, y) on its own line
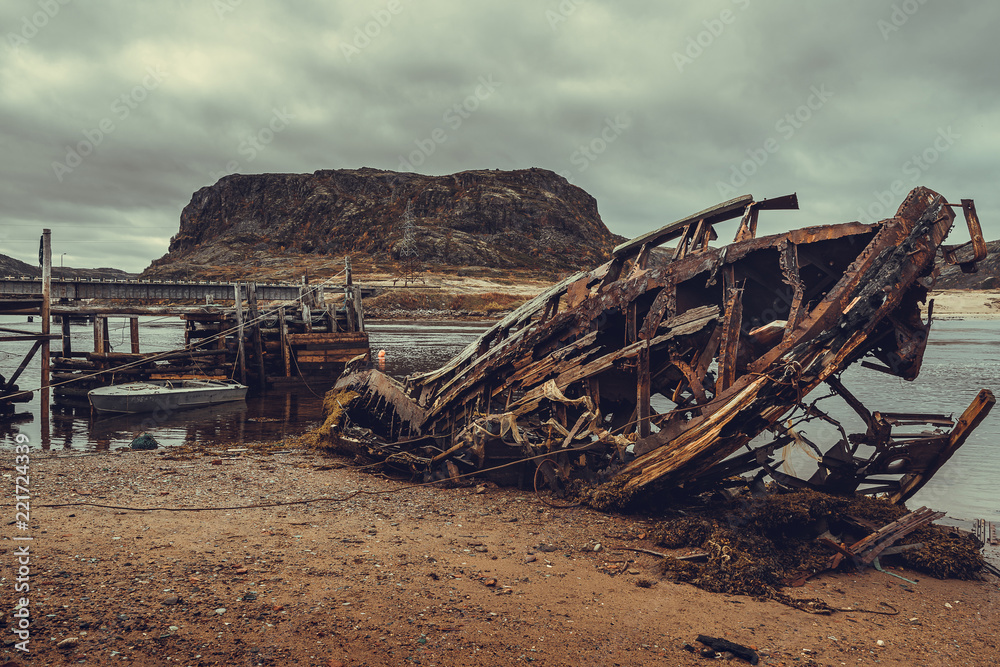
(756, 544)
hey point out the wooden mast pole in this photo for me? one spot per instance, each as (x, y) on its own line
(46, 257)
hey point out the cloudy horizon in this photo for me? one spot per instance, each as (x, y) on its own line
(114, 114)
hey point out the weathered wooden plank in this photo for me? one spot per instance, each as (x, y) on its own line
(525, 312)
(133, 329)
(665, 302)
(577, 373)
(712, 215)
(338, 337)
(970, 419)
(867, 549)
(690, 321)
(283, 341)
(340, 356)
(642, 390)
(731, 332)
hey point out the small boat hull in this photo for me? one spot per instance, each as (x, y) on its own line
(153, 396)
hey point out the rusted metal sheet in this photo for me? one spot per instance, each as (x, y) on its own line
(652, 374)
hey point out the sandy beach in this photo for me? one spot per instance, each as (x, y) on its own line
(966, 304)
(343, 567)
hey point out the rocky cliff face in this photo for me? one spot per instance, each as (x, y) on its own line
(526, 219)
(987, 275)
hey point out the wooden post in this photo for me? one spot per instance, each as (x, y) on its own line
(349, 295)
(133, 330)
(98, 335)
(642, 395)
(358, 311)
(631, 325)
(220, 342)
(67, 342)
(349, 309)
(258, 345)
(595, 395)
(307, 320)
(732, 324)
(330, 313)
(46, 325)
(105, 336)
(241, 357)
(283, 328)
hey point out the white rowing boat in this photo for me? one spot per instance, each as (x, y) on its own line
(154, 395)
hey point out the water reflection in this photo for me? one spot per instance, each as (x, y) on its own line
(208, 424)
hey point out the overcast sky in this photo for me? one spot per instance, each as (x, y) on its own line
(113, 113)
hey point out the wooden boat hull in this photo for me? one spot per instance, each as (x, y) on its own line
(139, 397)
(731, 338)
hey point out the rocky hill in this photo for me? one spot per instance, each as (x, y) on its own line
(987, 275)
(524, 220)
(15, 267)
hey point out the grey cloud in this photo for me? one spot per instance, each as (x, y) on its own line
(566, 68)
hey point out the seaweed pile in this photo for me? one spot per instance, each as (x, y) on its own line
(757, 545)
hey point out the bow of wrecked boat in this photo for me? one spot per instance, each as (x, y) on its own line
(647, 375)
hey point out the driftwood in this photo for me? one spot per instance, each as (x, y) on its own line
(651, 375)
(881, 541)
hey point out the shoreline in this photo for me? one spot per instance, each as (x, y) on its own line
(948, 304)
(965, 304)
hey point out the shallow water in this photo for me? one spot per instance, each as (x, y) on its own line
(962, 357)
(276, 416)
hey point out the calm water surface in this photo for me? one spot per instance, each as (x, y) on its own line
(963, 356)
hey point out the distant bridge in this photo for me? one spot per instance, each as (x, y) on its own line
(76, 289)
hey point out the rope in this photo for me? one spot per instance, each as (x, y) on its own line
(308, 500)
(542, 498)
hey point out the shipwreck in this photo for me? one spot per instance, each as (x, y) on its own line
(686, 369)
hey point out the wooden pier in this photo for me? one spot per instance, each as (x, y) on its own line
(10, 392)
(261, 347)
(309, 338)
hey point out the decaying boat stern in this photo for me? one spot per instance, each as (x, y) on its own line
(649, 373)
